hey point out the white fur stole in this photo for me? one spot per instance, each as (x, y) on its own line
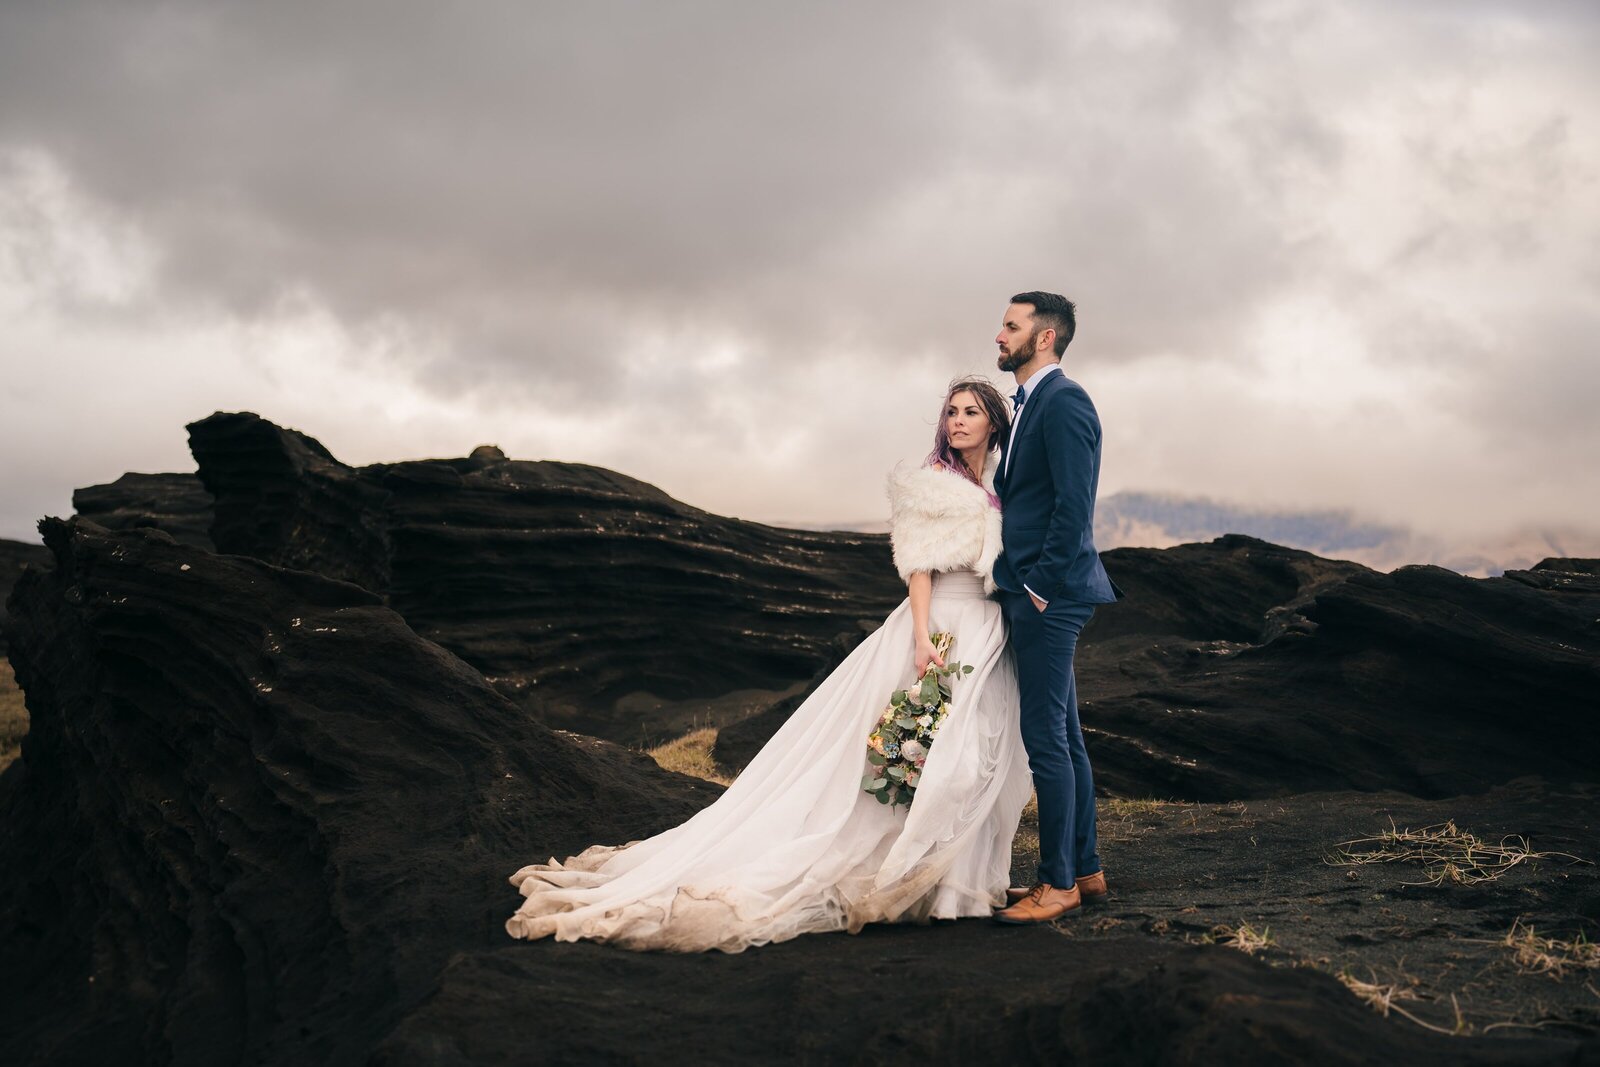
(940, 521)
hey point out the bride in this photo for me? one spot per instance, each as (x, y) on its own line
(795, 845)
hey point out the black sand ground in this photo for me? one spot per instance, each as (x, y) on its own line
(1197, 872)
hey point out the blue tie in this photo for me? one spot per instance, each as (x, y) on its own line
(1022, 395)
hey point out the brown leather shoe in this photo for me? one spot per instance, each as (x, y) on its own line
(1044, 903)
(1092, 887)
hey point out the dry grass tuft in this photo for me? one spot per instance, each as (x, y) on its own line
(691, 755)
(1381, 998)
(1123, 807)
(1245, 938)
(1532, 954)
(13, 716)
(1448, 855)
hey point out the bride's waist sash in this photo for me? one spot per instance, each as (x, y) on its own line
(958, 585)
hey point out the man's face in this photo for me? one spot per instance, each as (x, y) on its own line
(1018, 340)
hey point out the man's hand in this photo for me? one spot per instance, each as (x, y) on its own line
(926, 654)
(1036, 602)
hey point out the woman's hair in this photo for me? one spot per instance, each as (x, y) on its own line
(993, 405)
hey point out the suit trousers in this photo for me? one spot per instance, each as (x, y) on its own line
(1044, 643)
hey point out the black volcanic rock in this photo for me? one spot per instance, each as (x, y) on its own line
(738, 742)
(15, 556)
(176, 503)
(580, 592)
(1420, 680)
(255, 813)
(259, 820)
(282, 498)
(1241, 669)
(1235, 588)
(957, 994)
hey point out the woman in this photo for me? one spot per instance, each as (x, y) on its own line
(795, 845)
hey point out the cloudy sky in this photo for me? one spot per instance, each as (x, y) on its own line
(1324, 255)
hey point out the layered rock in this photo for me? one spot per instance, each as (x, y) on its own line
(176, 503)
(256, 812)
(589, 597)
(1420, 680)
(1239, 669)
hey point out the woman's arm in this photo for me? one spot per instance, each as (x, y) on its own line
(920, 589)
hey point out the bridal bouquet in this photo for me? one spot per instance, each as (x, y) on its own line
(898, 747)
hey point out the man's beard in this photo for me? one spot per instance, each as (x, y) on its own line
(1010, 361)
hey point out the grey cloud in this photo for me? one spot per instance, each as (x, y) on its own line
(520, 197)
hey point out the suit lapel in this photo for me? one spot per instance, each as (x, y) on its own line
(1039, 393)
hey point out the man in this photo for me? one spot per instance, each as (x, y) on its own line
(1049, 579)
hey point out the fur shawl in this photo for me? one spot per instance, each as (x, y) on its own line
(940, 521)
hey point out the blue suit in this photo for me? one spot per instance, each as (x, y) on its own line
(1047, 480)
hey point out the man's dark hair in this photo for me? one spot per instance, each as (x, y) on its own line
(1052, 311)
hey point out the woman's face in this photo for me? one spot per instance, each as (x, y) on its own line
(965, 422)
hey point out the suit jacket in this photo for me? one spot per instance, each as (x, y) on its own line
(1047, 495)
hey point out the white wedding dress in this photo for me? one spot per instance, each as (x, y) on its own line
(795, 845)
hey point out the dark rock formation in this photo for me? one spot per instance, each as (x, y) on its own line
(176, 503)
(1420, 680)
(255, 813)
(14, 557)
(969, 993)
(1242, 669)
(583, 594)
(1235, 588)
(738, 742)
(281, 497)
(259, 820)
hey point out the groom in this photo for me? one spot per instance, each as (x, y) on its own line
(1049, 579)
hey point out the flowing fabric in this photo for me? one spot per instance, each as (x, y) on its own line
(795, 845)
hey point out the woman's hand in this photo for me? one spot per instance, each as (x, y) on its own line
(926, 654)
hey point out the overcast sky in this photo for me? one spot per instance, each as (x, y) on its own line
(1324, 255)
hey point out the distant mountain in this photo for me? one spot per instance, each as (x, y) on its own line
(1161, 520)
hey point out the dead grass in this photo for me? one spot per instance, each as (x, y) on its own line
(1448, 855)
(1381, 997)
(1125, 807)
(1244, 937)
(13, 716)
(691, 755)
(1532, 954)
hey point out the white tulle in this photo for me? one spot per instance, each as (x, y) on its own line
(795, 846)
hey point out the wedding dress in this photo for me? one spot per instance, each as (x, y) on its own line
(795, 845)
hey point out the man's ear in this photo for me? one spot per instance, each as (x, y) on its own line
(1047, 340)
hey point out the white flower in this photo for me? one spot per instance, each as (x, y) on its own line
(912, 750)
(926, 720)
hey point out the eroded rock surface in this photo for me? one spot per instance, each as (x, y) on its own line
(176, 503)
(255, 813)
(587, 596)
